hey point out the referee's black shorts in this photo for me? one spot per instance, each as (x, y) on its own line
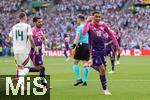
(82, 52)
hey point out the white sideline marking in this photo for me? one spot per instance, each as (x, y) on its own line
(2, 78)
(116, 80)
(7, 61)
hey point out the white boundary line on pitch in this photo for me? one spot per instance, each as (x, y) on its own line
(7, 60)
(116, 80)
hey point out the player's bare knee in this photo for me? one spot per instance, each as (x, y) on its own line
(39, 67)
(85, 64)
(102, 70)
(42, 67)
(76, 61)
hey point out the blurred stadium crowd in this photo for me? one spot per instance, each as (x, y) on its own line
(133, 25)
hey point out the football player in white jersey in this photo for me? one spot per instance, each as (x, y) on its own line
(21, 38)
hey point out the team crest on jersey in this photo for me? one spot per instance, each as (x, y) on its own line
(102, 28)
(94, 29)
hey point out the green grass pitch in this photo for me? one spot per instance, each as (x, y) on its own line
(131, 81)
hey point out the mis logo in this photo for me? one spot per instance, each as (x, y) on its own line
(26, 88)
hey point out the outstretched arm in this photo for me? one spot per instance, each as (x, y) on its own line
(31, 41)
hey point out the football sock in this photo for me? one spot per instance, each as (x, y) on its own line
(22, 72)
(103, 81)
(32, 69)
(113, 64)
(65, 53)
(77, 71)
(118, 57)
(85, 72)
(42, 76)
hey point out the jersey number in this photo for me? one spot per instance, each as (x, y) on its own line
(99, 33)
(19, 34)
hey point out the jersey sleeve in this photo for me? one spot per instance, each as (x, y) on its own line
(85, 28)
(111, 34)
(90, 42)
(29, 30)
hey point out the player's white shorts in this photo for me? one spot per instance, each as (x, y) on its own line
(22, 59)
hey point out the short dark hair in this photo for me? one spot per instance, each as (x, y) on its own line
(36, 18)
(22, 15)
(80, 16)
(95, 12)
